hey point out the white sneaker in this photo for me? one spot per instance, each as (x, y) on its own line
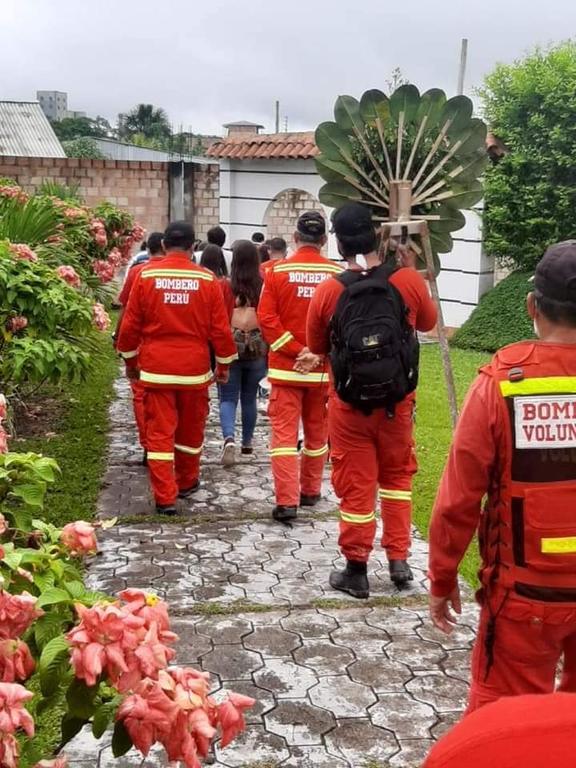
(228, 453)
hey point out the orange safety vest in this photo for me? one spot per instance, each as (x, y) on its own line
(528, 536)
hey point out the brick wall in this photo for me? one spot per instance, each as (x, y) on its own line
(283, 212)
(138, 186)
(206, 198)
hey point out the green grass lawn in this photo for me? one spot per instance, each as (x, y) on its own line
(434, 432)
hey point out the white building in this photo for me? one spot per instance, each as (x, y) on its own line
(267, 180)
(55, 105)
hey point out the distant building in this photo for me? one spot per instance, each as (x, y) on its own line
(26, 132)
(55, 105)
(242, 127)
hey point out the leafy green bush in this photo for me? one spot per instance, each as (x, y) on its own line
(531, 193)
(83, 146)
(500, 318)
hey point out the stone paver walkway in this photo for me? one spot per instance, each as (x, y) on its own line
(338, 682)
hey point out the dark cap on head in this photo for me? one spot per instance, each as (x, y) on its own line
(555, 276)
(351, 220)
(179, 234)
(311, 224)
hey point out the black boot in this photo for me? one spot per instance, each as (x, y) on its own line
(400, 573)
(309, 500)
(166, 509)
(353, 579)
(145, 458)
(185, 493)
(284, 514)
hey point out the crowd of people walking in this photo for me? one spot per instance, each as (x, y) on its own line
(337, 343)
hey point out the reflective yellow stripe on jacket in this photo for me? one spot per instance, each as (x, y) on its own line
(292, 267)
(357, 518)
(176, 273)
(166, 378)
(315, 453)
(226, 360)
(548, 385)
(306, 378)
(281, 341)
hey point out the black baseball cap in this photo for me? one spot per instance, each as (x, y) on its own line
(555, 276)
(351, 220)
(311, 223)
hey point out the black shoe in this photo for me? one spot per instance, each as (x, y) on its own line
(247, 450)
(309, 500)
(185, 493)
(284, 514)
(166, 509)
(400, 573)
(353, 580)
(145, 458)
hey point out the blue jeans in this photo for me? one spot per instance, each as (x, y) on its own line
(242, 385)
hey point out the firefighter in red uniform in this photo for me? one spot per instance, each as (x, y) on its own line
(175, 311)
(515, 443)
(375, 451)
(155, 251)
(296, 396)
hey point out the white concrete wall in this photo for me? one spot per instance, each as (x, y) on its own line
(247, 187)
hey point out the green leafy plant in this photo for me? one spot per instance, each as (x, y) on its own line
(531, 192)
(427, 140)
(83, 146)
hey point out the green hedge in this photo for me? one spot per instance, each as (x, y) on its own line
(500, 318)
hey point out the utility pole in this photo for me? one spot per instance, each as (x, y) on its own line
(286, 124)
(463, 61)
(277, 117)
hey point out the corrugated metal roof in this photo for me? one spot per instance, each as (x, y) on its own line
(26, 132)
(265, 146)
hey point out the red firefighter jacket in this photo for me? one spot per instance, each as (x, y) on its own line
(288, 289)
(175, 310)
(516, 442)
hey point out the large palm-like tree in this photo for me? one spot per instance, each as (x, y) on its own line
(147, 120)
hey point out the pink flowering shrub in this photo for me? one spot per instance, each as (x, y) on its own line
(69, 275)
(23, 251)
(16, 324)
(110, 659)
(101, 317)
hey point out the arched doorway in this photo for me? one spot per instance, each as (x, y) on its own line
(282, 213)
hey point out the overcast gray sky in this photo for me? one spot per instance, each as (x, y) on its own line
(216, 61)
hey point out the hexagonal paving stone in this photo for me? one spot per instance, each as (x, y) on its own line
(324, 657)
(364, 639)
(411, 753)
(219, 593)
(133, 759)
(446, 722)
(395, 621)
(381, 674)
(232, 662)
(254, 746)
(299, 722)
(342, 696)
(296, 591)
(210, 547)
(417, 655)
(190, 646)
(443, 693)
(272, 641)
(458, 664)
(401, 714)
(309, 624)
(224, 630)
(313, 757)
(358, 742)
(286, 567)
(285, 679)
(252, 580)
(461, 636)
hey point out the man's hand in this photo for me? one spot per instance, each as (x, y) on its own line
(307, 361)
(442, 618)
(407, 257)
(222, 375)
(132, 372)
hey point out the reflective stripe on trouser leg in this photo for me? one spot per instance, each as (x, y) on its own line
(396, 510)
(284, 410)
(138, 405)
(315, 450)
(161, 420)
(357, 531)
(192, 413)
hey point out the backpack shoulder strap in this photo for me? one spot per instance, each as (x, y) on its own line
(348, 277)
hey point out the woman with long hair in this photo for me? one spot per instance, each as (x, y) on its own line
(212, 258)
(250, 368)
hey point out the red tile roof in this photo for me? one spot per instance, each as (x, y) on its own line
(248, 146)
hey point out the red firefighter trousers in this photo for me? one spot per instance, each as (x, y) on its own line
(372, 453)
(175, 422)
(530, 638)
(138, 405)
(287, 408)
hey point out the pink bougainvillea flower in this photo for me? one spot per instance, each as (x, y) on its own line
(147, 606)
(101, 317)
(16, 324)
(69, 275)
(98, 231)
(148, 715)
(137, 232)
(73, 213)
(9, 751)
(231, 716)
(79, 538)
(17, 612)
(13, 715)
(59, 762)
(23, 252)
(104, 270)
(115, 258)
(16, 662)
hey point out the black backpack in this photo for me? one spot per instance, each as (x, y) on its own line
(375, 351)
